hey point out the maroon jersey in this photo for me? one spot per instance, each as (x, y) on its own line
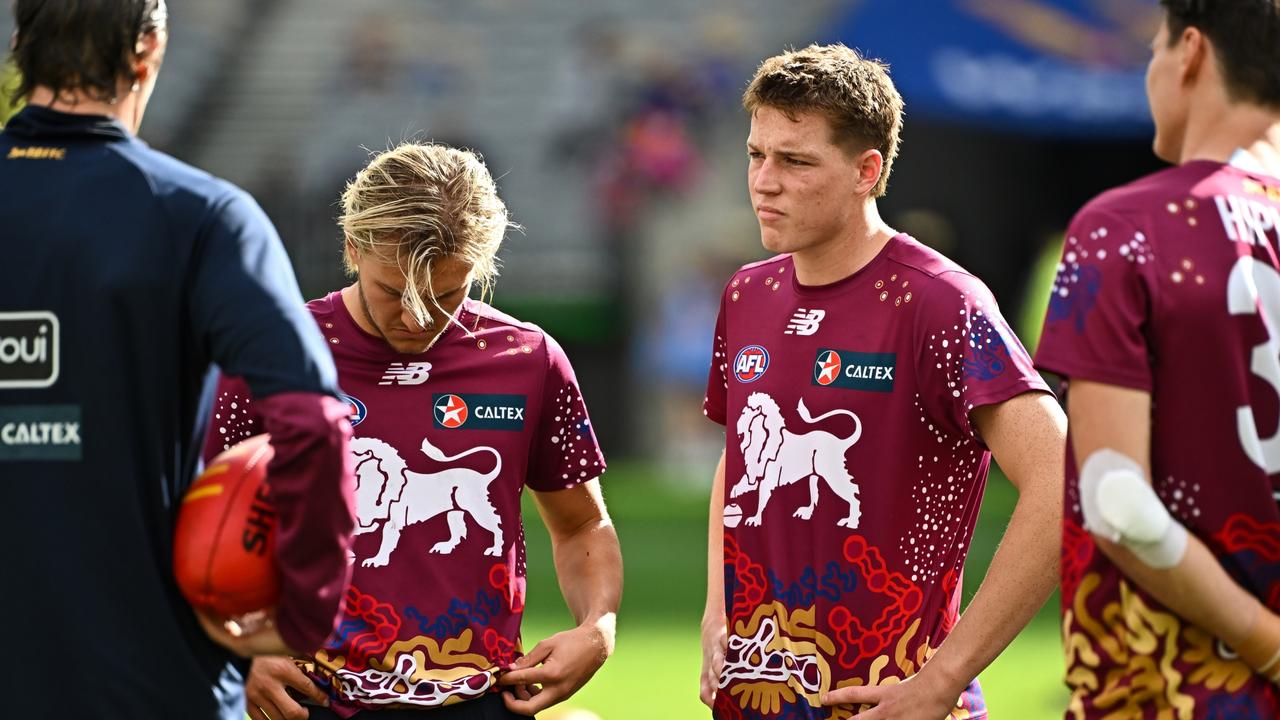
(445, 442)
(1171, 285)
(853, 474)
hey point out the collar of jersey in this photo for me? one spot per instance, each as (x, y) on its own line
(38, 121)
(376, 344)
(844, 283)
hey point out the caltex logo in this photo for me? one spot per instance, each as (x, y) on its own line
(827, 369)
(357, 409)
(750, 363)
(451, 411)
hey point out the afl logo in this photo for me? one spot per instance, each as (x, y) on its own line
(827, 368)
(750, 363)
(450, 411)
(357, 409)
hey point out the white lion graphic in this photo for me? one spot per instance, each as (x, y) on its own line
(775, 456)
(387, 490)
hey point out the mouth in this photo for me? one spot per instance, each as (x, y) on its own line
(401, 332)
(766, 213)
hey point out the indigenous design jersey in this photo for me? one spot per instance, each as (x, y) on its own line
(853, 475)
(1171, 285)
(445, 443)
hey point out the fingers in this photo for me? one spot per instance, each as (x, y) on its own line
(282, 707)
(541, 674)
(854, 695)
(539, 653)
(266, 690)
(540, 699)
(707, 691)
(712, 668)
(266, 710)
(293, 676)
(529, 669)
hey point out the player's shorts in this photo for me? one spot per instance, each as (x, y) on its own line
(489, 707)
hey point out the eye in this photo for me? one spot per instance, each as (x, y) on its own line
(755, 154)
(796, 161)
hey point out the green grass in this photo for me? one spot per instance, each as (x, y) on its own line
(662, 526)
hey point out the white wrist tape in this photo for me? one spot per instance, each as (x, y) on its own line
(1121, 506)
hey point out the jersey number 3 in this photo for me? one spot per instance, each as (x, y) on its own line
(1254, 287)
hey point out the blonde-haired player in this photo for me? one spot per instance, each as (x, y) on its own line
(456, 408)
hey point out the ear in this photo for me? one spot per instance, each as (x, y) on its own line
(146, 58)
(1194, 50)
(869, 164)
(351, 257)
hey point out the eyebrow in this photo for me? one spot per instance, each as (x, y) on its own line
(454, 291)
(790, 152)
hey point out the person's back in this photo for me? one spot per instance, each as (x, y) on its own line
(1163, 321)
(1187, 255)
(129, 274)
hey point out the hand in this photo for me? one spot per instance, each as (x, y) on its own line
(915, 698)
(715, 643)
(247, 635)
(266, 697)
(557, 667)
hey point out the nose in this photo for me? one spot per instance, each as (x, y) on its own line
(411, 321)
(764, 178)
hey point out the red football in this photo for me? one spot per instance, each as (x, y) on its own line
(224, 541)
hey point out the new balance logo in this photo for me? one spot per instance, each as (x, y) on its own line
(805, 322)
(406, 374)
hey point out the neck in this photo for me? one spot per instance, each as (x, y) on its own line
(846, 254)
(357, 309)
(124, 109)
(1217, 134)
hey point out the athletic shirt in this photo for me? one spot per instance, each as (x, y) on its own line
(853, 474)
(445, 443)
(1171, 285)
(127, 275)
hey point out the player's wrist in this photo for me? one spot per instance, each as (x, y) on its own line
(942, 679)
(603, 628)
(714, 618)
(1260, 647)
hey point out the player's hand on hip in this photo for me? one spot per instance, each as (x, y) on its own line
(715, 643)
(247, 635)
(266, 690)
(912, 699)
(557, 667)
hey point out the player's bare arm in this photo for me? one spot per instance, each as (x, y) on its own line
(1190, 581)
(715, 632)
(1027, 436)
(588, 563)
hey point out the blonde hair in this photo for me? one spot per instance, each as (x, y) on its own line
(418, 202)
(853, 92)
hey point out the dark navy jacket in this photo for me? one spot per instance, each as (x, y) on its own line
(124, 275)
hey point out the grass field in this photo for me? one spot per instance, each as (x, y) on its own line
(654, 673)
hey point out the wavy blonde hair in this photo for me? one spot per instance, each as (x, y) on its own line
(419, 202)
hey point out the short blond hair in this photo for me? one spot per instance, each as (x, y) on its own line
(419, 202)
(854, 93)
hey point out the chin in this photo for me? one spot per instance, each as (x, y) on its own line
(411, 348)
(773, 241)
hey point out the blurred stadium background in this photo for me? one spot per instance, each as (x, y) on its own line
(615, 132)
